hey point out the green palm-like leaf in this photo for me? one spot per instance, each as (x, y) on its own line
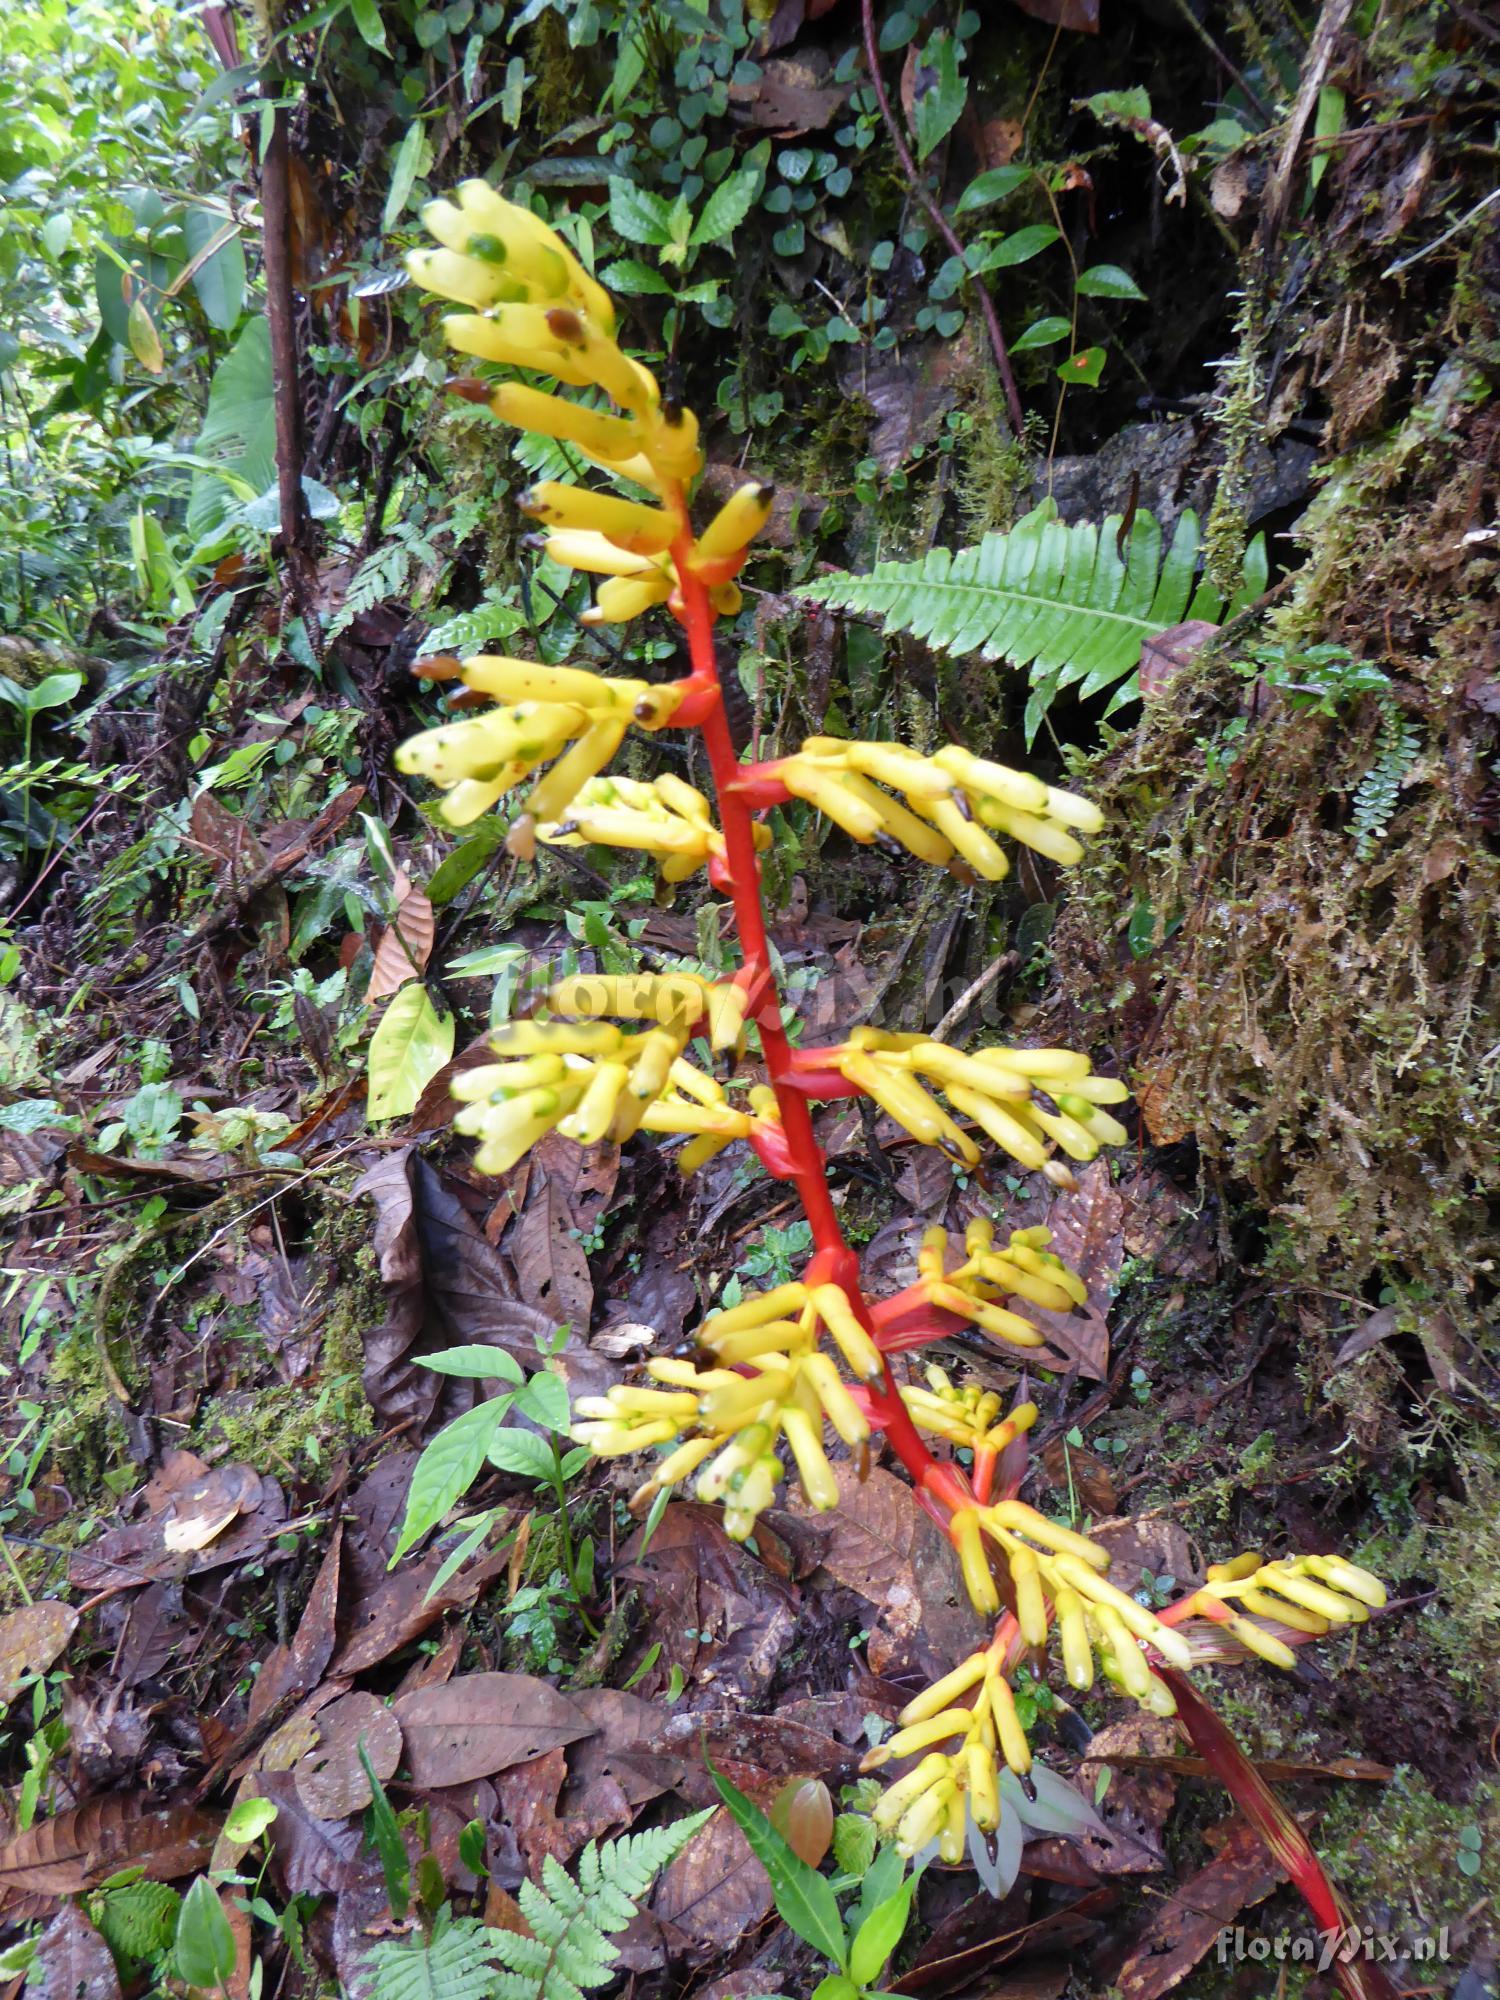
(1063, 599)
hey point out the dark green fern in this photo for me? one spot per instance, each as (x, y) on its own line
(569, 1950)
(1059, 598)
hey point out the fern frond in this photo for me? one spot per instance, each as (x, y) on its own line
(1376, 797)
(454, 1964)
(381, 575)
(1059, 598)
(568, 1953)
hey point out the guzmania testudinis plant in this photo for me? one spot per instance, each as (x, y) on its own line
(610, 1056)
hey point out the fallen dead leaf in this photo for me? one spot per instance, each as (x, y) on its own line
(331, 1780)
(715, 1891)
(293, 1670)
(30, 1640)
(405, 944)
(1181, 1929)
(480, 1723)
(73, 1962)
(85, 1844)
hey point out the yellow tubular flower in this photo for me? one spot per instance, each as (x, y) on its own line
(1306, 1594)
(736, 524)
(535, 307)
(967, 1539)
(1072, 1630)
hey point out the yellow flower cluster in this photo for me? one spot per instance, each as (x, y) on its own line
(1024, 1269)
(794, 1388)
(535, 307)
(590, 1080)
(1307, 1594)
(667, 817)
(579, 718)
(949, 1788)
(999, 1089)
(1095, 1619)
(968, 1417)
(955, 803)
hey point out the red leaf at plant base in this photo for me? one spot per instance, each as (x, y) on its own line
(1290, 1847)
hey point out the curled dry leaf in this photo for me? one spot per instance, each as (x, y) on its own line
(75, 1849)
(481, 1723)
(715, 1891)
(30, 1640)
(331, 1780)
(1182, 1927)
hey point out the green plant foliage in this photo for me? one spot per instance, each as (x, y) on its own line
(569, 1951)
(1377, 792)
(1059, 598)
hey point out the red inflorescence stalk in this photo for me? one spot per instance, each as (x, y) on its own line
(833, 1262)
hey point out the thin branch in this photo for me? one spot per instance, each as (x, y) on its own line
(941, 223)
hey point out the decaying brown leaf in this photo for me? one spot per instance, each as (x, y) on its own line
(294, 1669)
(30, 1640)
(715, 1891)
(447, 1286)
(83, 1845)
(405, 944)
(1181, 1929)
(73, 1962)
(195, 1519)
(331, 1779)
(481, 1723)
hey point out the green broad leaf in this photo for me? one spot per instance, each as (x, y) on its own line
(882, 1879)
(634, 279)
(1108, 281)
(410, 155)
(837, 1986)
(144, 340)
(248, 1820)
(1042, 333)
(477, 1363)
(939, 106)
(237, 445)
(804, 1898)
(407, 1049)
(1018, 248)
(448, 1468)
(639, 215)
(1328, 122)
(726, 208)
(991, 187)
(52, 691)
(881, 1931)
(219, 280)
(366, 17)
(204, 1948)
(1083, 368)
(57, 234)
(545, 1401)
(383, 1832)
(1120, 107)
(523, 1454)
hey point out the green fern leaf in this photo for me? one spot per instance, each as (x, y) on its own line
(568, 1954)
(454, 1964)
(1065, 600)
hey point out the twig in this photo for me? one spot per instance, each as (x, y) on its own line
(940, 222)
(276, 210)
(1331, 24)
